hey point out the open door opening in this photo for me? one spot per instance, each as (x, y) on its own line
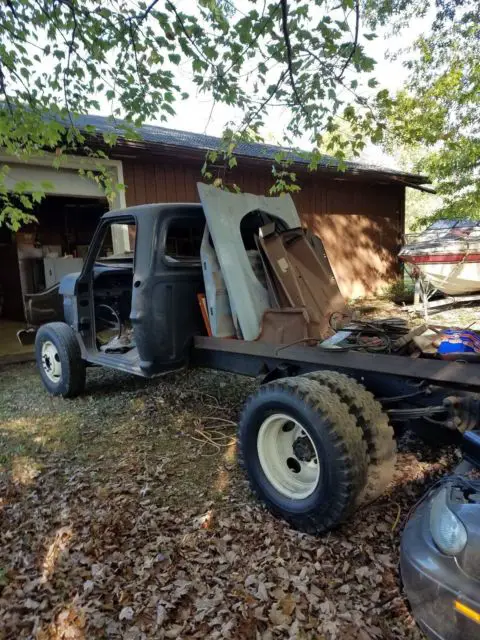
(112, 284)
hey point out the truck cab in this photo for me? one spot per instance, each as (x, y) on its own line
(134, 305)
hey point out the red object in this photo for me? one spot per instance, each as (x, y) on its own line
(444, 258)
(203, 308)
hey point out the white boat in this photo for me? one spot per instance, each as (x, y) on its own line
(446, 255)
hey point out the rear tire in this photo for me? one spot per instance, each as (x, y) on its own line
(323, 430)
(373, 421)
(59, 360)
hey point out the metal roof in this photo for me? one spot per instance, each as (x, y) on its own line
(153, 135)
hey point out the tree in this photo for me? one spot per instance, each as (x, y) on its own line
(420, 207)
(60, 59)
(438, 112)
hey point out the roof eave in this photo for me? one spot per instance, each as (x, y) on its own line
(410, 180)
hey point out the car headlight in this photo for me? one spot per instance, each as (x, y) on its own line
(447, 530)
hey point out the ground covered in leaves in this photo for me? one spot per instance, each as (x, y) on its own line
(123, 515)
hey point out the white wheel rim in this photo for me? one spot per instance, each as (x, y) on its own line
(51, 361)
(288, 456)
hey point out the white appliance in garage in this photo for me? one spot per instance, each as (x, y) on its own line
(56, 268)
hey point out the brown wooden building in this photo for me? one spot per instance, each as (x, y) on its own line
(358, 212)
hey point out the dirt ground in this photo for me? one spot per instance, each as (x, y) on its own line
(9, 344)
(123, 515)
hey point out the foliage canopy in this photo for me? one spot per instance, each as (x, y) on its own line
(438, 112)
(63, 58)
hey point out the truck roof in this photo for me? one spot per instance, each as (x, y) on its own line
(153, 209)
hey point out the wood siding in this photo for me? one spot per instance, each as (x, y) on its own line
(359, 223)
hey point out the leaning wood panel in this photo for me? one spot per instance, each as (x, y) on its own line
(129, 181)
(179, 178)
(191, 179)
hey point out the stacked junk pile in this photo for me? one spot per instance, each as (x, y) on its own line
(268, 279)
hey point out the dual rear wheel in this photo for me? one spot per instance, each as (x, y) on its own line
(315, 447)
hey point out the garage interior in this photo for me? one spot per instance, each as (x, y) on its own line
(36, 257)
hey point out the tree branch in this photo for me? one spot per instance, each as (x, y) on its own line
(62, 35)
(137, 63)
(188, 36)
(355, 41)
(286, 37)
(144, 15)
(263, 103)
(268, 22)
(210, 115)
(11, 6)
(3, 89)
(66, 71)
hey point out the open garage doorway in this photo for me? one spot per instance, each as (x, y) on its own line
(36, 257)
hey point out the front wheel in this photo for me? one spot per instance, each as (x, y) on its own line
(59, 360)
(303, 452)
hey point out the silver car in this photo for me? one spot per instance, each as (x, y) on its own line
(440, 560)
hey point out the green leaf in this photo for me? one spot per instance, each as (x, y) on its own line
(197, 65)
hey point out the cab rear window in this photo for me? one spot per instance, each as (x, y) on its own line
(183, 239)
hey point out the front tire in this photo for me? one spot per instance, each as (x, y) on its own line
(303, 452)
(59, 360)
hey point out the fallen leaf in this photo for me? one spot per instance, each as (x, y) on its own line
(126, 613)
(287, 605)
(88, 586)
(262, 592)
(174, 631)
(277, 617)
(161, 614)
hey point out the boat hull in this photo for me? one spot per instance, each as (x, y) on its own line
(451, 278)
(448, 256)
